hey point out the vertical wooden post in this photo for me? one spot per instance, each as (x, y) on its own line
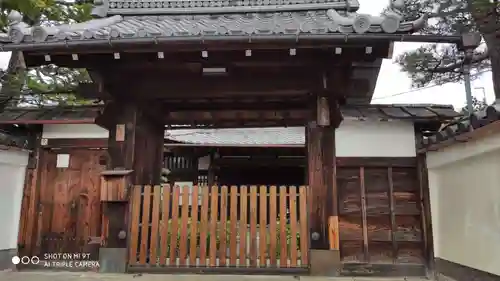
(425, 207)
(322, 175)
(135, 143)
(323, 210)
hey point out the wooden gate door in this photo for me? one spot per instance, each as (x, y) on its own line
(70, 206)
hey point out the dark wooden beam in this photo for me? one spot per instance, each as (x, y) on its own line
(215, 117)
(237, 104)
(175, 85)
(261, 161)
(76, 143)
(376, 162)
(264, 54)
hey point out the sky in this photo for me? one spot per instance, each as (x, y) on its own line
(393, 85)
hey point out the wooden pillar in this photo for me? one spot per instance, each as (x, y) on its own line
(135, 144)
(425, 207)
(321, 172)
(323, 218)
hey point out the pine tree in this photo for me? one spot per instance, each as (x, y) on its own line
(45, 85)
(439, 64)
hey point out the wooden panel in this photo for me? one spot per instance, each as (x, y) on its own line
(165, 225)
(283, 235)
(67, 211)
(253, 226)
(213, 225)
(223, 226)
(134, 223)
(193, 235)
(293, 225)
(205, 198)
(113, 189)
(304, 226)
(233, 217)
(184, 226)
(155, 224)
(380, 219)
(143, 252)
(257, 246)
(174, 225)
(273, 215)
(243, 225)
(263, 226)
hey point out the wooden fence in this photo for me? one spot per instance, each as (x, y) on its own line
(236, 226)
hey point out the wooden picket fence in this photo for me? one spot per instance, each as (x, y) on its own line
(202, 226)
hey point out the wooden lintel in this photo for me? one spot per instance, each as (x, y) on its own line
(77, 143)
(374, 162)
(170, 85)
(236, 116)
(136, 54)
(262, 161)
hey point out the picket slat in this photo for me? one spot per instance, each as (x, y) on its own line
(233, 231)
(304, 244)
(243, 225)
(193, 236)
(236, 226)
(143, 251)
(273, 215)
(283, 234)
(164, 225)
(134, 224)
(214, 208)
(292, 199)
(174, 224)
(263, 226)
(155, 221)
(184, 225)
(253, 225)
(204, 226)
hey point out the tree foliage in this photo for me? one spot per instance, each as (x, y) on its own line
(46, 84)
(442, 63)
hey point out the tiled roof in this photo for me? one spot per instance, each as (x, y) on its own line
(293, 136)
(82, 114)
(454, 131)
(20, 115)
(258, 20)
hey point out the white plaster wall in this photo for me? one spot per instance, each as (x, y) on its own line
(464, 183)
(12, 174)
(356, 138)
(73, 131)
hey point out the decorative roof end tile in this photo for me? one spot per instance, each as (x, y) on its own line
(100, 8)
(17, 28)
(390, 22)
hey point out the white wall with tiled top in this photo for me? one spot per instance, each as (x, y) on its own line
(464, 184)
(13, 164)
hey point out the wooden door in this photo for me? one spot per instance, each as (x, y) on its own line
(70, 206)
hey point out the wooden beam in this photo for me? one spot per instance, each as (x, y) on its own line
(168, 85)
(285, 117)
(76, 143)
(237, 104)
(140, 56)
(261, 161)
